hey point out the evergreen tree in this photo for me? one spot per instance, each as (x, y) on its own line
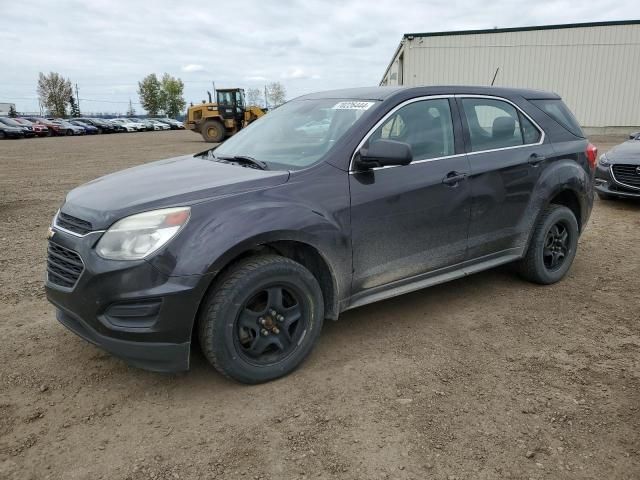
(12, 111)
(75, 109)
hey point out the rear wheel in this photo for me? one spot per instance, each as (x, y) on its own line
(553, 246)
(262, 319)
(2, 135)
(212, 131)
(68, 132)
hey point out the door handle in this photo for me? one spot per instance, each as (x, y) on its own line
(535, 159)
(453, 178)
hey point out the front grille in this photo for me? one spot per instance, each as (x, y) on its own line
(64, 266)
(627, 174)
(73, 224)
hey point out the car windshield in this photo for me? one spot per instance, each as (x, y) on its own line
(297, 134)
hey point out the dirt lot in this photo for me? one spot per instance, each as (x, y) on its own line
(483, 378)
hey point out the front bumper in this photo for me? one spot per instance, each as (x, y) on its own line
(606, 184)
(129, 309)
(9, 134)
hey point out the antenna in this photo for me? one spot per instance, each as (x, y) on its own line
(77, 97)
(494, 76)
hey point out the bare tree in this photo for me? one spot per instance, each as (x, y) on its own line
(254, 96)
(276, 93)
(54, 92)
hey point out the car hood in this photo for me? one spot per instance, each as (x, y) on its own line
(627, 152)
(173, 182)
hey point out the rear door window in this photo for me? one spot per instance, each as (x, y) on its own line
(495, 124)
(530, 133)
(557, 110)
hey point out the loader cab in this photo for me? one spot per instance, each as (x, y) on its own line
(231, 104)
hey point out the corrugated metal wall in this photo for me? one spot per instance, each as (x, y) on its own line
(595, 69)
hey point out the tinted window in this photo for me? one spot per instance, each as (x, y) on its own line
(425, 125)
(530, 133)
(557, 110)
(492, 124)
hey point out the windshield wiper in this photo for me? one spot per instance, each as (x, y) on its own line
(247, 161)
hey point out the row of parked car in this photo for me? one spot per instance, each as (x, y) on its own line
(46, 127)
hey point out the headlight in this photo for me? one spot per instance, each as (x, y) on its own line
(603, 160)
(138, 236)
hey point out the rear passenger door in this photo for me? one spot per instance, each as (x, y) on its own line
(506, 150)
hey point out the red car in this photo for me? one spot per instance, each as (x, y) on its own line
(54, 128)
(39, 129)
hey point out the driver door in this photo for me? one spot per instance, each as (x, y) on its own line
(411, 220)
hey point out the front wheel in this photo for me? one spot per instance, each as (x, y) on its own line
(212, 131)
(553, 246)
(69, 132)
(262, 319)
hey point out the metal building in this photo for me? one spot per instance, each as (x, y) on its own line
(595, 67)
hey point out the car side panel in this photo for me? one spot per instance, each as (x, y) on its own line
(312, 208)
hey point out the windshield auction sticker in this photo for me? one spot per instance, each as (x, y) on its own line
(352, 106)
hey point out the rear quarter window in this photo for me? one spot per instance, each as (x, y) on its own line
(557, 110)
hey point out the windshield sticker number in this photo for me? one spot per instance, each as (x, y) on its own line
(352, 106)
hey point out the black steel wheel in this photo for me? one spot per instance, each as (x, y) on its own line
(271, 323)
(553, 246)
(261, 319)
(556, 246)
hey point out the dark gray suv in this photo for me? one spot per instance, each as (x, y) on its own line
(331, 201)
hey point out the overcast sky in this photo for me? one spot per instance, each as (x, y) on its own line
(309, 45)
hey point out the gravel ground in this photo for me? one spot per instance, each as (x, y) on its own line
(486, 377)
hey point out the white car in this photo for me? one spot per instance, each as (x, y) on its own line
(159, 125)
(129, 125)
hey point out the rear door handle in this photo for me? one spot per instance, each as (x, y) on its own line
(536, 158)
(453, 178)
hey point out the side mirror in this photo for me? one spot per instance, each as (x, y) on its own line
(383, 153)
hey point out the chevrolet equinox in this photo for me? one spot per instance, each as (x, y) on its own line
(331, 201)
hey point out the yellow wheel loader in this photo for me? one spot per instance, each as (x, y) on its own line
(219, 120)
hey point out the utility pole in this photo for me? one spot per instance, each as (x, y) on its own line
(77, 98)
(213, 82)
(266, 102)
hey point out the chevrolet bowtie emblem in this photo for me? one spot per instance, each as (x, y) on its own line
(50, 233)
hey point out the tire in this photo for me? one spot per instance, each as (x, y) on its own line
(239, 335)
(546, 246)
(2, 135)
(68, 133)
(212, 131)
(605, 196)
